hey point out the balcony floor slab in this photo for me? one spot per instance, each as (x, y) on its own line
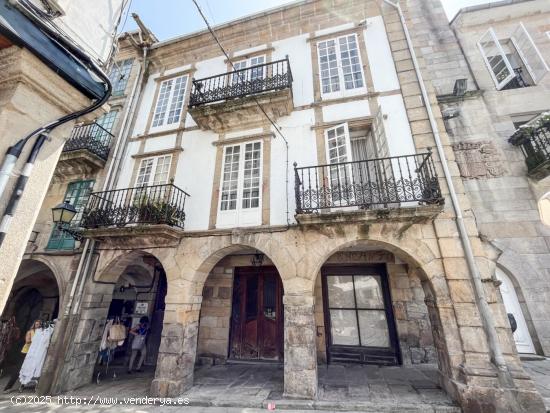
(136, 236)
(242, 113)
(419, 213)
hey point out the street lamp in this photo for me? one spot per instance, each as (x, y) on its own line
(62, 215)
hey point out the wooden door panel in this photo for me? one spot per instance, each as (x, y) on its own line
(256, 321)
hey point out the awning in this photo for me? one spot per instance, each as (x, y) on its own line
(23, 32)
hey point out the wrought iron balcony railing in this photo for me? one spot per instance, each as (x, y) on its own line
(91, 137)
(534, 142)
(383, 182)
(243, 82)
(155, 204)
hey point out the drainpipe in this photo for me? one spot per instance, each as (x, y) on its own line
(484, 310)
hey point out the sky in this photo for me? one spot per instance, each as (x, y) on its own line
(171, 18)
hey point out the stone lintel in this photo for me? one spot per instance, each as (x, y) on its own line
(404, 214)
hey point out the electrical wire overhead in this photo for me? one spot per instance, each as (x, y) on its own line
(277, 127)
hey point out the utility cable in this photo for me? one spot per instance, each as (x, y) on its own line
(277, 127)
(15, 151)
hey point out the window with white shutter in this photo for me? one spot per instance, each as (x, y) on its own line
(253, 73)
(529, 53)
(240, 191)
(513, 62)
(340, 67)
(154, 171)
(170, 101)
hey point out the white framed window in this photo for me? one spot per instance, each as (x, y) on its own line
(253, 73)
(240, 188)
(119, 76)
(169, 103)
(340, 67)
(513, 62)
(355, 170)
(153, 171)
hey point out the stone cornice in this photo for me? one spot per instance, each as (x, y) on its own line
(19, 66)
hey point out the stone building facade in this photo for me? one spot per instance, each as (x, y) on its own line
(36, 90)
(504, 187)
(352, 255)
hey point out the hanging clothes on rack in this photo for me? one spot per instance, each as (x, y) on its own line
(9, 334)
(34, 360)
(104, 338)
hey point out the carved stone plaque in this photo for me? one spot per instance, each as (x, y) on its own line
(478, 160)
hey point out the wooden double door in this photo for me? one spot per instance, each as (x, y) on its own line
(257, 315)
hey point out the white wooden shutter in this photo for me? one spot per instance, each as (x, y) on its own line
(530, 54)
(338, 149)
(498, 64)
(379, 132)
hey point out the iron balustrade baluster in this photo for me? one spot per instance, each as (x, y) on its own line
(534, 142)
(239, 83)
(366, 183)
(92, 137)
(155, 204)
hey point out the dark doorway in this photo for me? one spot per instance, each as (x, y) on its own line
(358, 315)
(257, 314)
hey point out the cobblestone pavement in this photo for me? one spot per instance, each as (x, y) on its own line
(539, 370)
(253, 386)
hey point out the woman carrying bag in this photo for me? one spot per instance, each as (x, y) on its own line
(139, 343)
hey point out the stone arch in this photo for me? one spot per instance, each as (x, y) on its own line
(26, 279)
(524, 308)
(428, 267)
(420, 257)
(113, 263)
(527, 281)
(138, 268)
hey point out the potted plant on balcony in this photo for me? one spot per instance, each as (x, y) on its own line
(544, 120)
(155, 211)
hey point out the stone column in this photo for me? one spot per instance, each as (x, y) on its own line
(178, 349)
(300, 347)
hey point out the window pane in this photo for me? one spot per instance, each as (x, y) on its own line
(77, 194)
(144, 173)
(106, 123)
(230, 178)
(343, 325)
(350, 62)
(374, 329)
(340, 291)
(178, 96)
(119, 76)
(368, 291)
(328, 66)
(251, 173)
(162, 170)
(162, 102)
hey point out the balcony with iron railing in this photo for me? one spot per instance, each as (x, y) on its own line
(141, 207)
(534, 141)
(380, 185)
(223, 101)
(86, 150)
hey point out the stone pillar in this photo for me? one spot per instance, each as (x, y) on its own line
(300, 347)
(178, 349)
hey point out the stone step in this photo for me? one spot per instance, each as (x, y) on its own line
(323, 405)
